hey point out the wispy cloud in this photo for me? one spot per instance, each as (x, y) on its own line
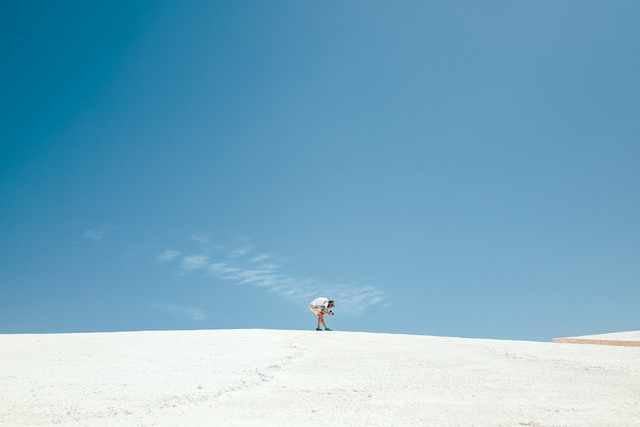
(260, 258)
(168, 255)
(200, 238)
(194, 262)
(241, 265)
(183, 312)
(93, 235)
(240, 252)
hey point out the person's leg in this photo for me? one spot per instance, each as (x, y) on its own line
(315, 311)
(321, 320)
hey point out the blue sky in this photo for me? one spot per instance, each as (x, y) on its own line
(444, 168)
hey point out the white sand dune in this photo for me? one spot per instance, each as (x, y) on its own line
(270, 377)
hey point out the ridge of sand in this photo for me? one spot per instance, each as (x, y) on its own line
(275, 377)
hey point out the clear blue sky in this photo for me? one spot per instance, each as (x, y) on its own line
(444, 168)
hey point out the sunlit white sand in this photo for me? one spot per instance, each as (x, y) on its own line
(273, 377)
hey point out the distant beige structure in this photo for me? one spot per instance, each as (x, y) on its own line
(625, 339)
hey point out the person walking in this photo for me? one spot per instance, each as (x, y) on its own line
(320, 307)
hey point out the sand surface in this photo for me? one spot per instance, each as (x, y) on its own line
(269, 377)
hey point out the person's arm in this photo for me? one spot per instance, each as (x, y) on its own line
(324, 310)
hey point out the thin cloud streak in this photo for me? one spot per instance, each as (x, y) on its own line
(243, 267)
(93, 235)
(183, 312)
(194, 262)
(168, 255)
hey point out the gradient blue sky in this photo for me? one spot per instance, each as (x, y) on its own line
(444, 168)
